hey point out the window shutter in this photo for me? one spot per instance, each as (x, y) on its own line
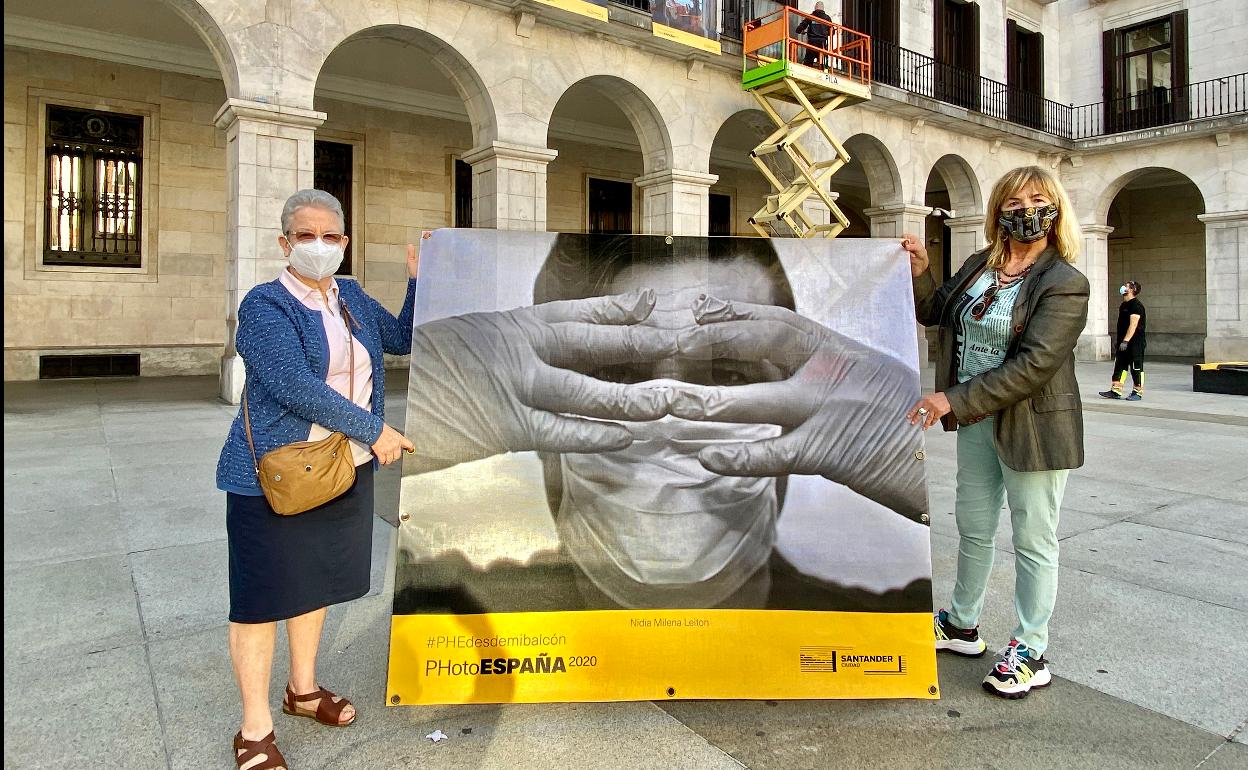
(974, 36)
(1109, 89)
(1178, 64)
(1012, 68)
(1039, 65)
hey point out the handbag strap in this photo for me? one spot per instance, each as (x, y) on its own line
(347, 320)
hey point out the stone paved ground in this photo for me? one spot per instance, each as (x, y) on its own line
(115, 598)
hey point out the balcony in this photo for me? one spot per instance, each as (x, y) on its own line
(922, 75)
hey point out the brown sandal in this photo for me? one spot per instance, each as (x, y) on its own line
(327, 712)
(245, 751)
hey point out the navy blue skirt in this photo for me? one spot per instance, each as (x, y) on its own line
(285, 566)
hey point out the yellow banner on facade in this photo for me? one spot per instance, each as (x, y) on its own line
(686, 38)
(610, 655)
(579, 7)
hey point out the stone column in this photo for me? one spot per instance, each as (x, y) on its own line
(1094, 343)
(1226, 283)
(966, 236)
(509, 186)
(269, 154)
(675, 202)
(894, 219)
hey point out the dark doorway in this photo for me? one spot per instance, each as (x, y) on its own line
(610, 207)
(332, 171)
(721, 214)
(879, 19)
(1024, 57)
(463, 194)
(956, 71)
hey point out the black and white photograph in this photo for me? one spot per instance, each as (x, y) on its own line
(630, 422)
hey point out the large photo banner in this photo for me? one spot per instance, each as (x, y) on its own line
(650, 467)
(688, 22)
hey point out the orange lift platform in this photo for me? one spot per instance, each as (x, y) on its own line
(781, 67)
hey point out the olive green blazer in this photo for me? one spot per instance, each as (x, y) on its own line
(1032, 395)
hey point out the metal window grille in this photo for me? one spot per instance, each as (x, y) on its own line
(94, 188)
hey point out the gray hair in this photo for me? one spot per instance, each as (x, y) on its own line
(317, 199)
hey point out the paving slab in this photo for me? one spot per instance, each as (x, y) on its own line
(34, 458)
(182, 589)
(143, 484)
(966, 728)
(1197, 515)
(1117, 637)
(68, 439)
(78, 710)
(44, 491)
(33, 537)
(152, 450)
(1194, 566)
(1228, 756)
(153, 524)
(69, 607)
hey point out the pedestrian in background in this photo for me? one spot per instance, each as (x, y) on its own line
(1131, 341)
(313, 346)
(1009, 320)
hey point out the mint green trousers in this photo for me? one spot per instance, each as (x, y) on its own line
(985, 484)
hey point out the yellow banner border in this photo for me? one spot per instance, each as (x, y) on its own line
(686, 38)
(637, 655)
(579, 7)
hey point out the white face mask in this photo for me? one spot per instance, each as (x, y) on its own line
(315, 259)
(653, 515)
(1122, 290)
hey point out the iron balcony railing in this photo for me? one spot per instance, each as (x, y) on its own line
(923, 75)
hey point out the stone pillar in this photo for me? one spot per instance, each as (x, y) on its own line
(1226, 284)
(509, 186)
(1094, 343)
(269, 154)
(891, 221)
(966, 236)
(675, 202)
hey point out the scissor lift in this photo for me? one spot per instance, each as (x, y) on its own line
(776, 70)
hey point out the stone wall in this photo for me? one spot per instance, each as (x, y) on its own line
(1215, 30)
(173, 307)
(404, 183)
(1158, 241)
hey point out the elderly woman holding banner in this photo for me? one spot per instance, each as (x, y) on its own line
(1005, 380)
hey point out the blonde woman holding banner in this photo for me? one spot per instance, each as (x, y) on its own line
(1005, 380)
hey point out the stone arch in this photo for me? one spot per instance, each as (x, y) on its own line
(1106, 199)
(883, 176)
(199, 19)
(472, 89)
(753, 122)
(642, 114)
(965, 195)
(1159, 240)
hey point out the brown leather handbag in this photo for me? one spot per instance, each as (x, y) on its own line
(301, 476)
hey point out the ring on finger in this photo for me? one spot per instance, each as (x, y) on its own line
(923, 411)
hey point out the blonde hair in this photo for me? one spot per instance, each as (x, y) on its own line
(1065, 235)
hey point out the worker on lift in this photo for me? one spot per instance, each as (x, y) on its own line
(816, 36)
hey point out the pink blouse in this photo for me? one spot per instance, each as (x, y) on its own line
(339, 356)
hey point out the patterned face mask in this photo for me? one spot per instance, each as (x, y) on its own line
(1029, 225)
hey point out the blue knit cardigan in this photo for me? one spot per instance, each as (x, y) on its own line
(283, 344)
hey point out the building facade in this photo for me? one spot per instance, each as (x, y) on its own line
(150, 144)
